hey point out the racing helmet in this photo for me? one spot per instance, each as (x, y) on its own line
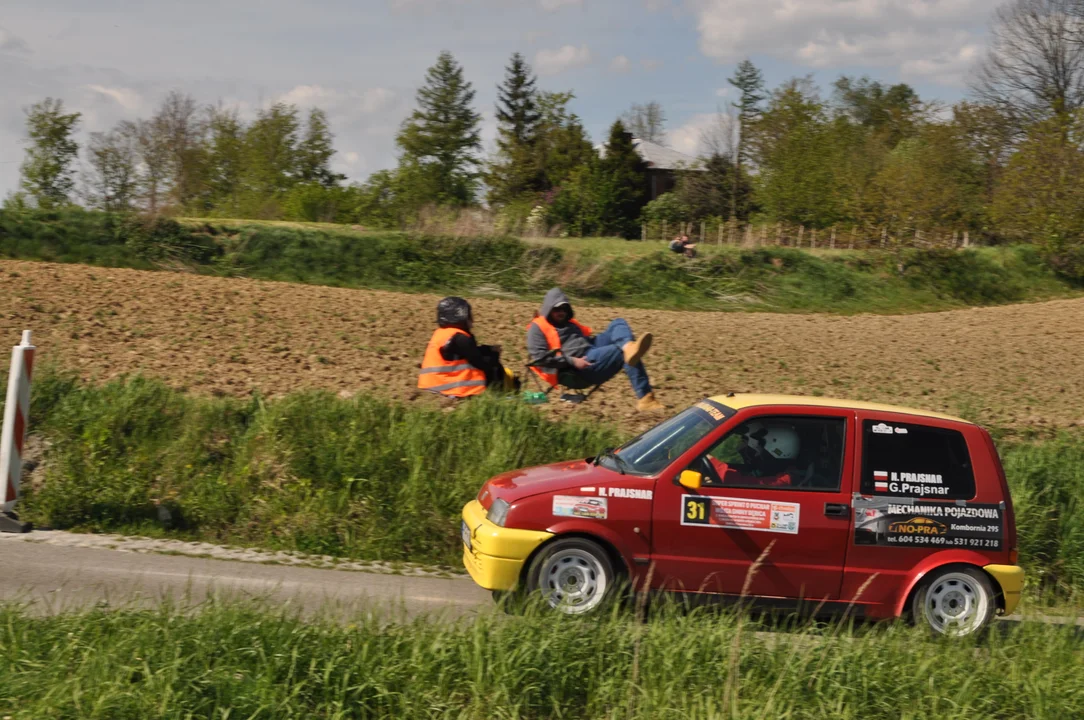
(454, 312)
(777, 442)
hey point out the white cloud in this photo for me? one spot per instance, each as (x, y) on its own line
(554, 5)
(127, 98)
(651, 64)
(928, 39)
(687, 138)
(723, 92)
(12, 43)
(568, 57)
(621, 64)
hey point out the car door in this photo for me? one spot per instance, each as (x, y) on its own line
(798, 526)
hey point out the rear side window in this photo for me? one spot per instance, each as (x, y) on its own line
(915, 461)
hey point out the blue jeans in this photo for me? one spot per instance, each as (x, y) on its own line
(607, 359)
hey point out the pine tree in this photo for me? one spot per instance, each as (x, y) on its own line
(271, 152)
(622, 184)
(563, 145)
(316, 150)
(441, 139)
(516, 170)
(48, 174)
(750, 83)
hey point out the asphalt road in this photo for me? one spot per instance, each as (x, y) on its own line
(54, 579)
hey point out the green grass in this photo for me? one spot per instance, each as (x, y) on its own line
(601, 270)
(238, 661)
(366, 479)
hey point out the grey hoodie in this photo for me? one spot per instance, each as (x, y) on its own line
(573, 342)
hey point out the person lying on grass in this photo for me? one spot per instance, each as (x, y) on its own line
(455, 365)
(681, 244)
(572, 356)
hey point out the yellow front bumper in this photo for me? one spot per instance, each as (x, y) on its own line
(1011, 580)
(496, 556)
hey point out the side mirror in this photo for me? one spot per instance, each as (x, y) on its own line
(691, 479)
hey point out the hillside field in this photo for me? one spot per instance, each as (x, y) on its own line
(1010, 366)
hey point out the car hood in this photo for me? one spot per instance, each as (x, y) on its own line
(519, 484)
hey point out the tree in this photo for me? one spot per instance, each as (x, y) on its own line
(315, 152)
(562, 144)
(441, 139)
(1034, 69)
(112, 179)
(516, 170)
(270, 159)
(749, 82)
(180, 128)
(154, 157)
(646, 122)
(622, 185)
(710, 191)
(893, 111)
(990, 136)
(48, 174)
(225, 160)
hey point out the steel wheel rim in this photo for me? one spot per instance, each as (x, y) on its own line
(955, 604)
(573, 581)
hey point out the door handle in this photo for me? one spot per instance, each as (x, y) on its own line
(836, 509)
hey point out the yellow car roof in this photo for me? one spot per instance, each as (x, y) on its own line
(740, 401)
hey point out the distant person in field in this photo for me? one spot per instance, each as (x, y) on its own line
(583, 359)
(455, 365)
(681, 244)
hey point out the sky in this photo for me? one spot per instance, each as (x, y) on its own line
(363, 60)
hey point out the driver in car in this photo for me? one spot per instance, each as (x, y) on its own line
(768, 453)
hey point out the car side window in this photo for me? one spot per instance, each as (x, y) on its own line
(785, 453)
(915, 461)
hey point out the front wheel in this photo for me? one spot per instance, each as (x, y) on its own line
(956, 602)
(574, 576)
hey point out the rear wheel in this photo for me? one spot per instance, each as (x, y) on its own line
(574, 576)
(957, 602)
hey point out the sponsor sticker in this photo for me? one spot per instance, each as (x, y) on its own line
(906, 484)
(594, 508)
(882, 429)
(912, 522)
(713, 412)
(740, 514)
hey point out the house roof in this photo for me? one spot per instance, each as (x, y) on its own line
(659, 157)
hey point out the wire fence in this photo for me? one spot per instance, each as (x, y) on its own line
(838, 237)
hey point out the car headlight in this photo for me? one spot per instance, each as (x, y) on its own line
(498, 512)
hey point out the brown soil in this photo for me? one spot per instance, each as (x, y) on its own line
(1014, 366)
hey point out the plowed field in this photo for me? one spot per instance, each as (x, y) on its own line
(1015, 366)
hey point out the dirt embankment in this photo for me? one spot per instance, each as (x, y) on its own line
(1009, 366)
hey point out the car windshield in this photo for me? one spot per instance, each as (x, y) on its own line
(652, 452)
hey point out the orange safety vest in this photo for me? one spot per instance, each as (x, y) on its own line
(554, 341)
(454, 378)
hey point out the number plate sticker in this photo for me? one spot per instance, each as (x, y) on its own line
(464, 531)
(740, 514)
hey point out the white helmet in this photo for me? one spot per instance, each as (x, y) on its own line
(777, 441)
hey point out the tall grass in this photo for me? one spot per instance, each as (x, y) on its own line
(238, 661)
(367, 479)
(776, 279)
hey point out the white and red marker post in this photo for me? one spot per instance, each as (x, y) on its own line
(13, 436)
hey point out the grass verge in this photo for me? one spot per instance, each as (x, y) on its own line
(238, 661)
(366, 479)
(634, 275)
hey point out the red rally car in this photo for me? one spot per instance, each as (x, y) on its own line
(887, 510)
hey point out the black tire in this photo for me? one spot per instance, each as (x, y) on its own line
(956, 601)
(574, 576)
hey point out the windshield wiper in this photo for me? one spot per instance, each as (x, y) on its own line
(618, 460)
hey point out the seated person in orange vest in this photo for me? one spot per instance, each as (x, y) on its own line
(455, 364)
(768, 454)
(585, 359)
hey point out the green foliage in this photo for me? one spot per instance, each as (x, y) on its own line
(315, 151)
(441, 138)
(270, 164)
(894, 112)
(622, 185)
(363, 478)
(48, 175)
(668, 208)
(255, 661)
(516, 170)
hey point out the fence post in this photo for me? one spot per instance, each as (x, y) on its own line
(854, 231)
(643, 231)
(801, 235)
(813, 240)
(967, 238)
(13, 433)
(749, 236)
(719, 238)
(832, 241)
(884, 237)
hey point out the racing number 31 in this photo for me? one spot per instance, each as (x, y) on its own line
(697, 511)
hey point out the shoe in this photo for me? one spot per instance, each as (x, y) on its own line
(648, 403)
(635, 350)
